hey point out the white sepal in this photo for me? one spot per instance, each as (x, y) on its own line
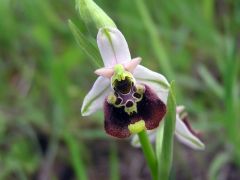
(95, 98)
(154, 80)
(185, 136)
(113, 47)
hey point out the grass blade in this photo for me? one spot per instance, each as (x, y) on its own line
(152, 32)
(87, 46)
(75, 157)
(165, 159)
(210, 82)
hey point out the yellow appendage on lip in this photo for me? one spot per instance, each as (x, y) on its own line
(120, 73)
(137, 127)
(111, 99)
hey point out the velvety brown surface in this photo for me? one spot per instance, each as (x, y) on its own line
(150, 109)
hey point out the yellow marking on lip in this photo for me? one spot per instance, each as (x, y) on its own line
(137, 127)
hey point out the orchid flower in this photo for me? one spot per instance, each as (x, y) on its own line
(183, 131)
(128, 92)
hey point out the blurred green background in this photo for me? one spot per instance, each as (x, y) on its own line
(44, 76)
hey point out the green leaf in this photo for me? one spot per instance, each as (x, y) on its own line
(85, 44)
(210, 82)
(76, 157)
(219, 161)
(231, 122)
(159, 139)
(157, 46)
(165, 158)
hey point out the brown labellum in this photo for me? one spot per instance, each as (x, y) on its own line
(150, 109)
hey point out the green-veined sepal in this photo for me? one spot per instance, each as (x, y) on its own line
(95, 98)
(185, 136)
(113, 47)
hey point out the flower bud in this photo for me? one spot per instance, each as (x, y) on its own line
(92, 14)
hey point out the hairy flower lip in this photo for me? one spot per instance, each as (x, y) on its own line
(150, 109)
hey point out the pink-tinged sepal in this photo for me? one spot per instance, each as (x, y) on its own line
(183, 115)
(185, 133)
(190, 128)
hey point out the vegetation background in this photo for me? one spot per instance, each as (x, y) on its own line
(44, 76)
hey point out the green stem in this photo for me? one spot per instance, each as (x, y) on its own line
(148, 153)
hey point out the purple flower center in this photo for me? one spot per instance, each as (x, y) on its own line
(123, 86)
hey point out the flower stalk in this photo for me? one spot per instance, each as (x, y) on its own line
(148, 153)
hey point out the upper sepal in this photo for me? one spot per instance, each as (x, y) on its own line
(113, 47)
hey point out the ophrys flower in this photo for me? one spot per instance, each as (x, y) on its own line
(127, 91)
(130, 93)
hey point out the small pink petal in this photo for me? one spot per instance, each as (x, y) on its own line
(131, 65)
(180, 109)
(105, 72)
